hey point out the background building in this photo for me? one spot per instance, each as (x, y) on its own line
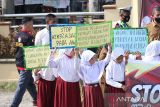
(52, 6)
(40, 6)
(112, 11)
(0, 6)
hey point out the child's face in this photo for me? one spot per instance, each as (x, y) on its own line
(119, 59)
(93, 59)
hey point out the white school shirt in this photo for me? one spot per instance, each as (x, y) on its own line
(115, 73)
(145, 58)
(42, 38)
(67, 68)
(151, 58)
(91, 74)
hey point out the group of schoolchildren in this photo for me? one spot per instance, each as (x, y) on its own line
(59, 84)
(73, 66)
(62, 89)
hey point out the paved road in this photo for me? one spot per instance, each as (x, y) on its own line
(6, 99)
(8, 72)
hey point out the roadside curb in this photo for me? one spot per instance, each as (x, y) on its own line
(8, 80)
(7, 60)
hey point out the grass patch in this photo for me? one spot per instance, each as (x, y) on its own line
(8, 86)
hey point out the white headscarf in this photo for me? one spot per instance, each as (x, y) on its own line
(68, 51)
(152, 51)
(115, 71)
(116, 53)
(87, 55)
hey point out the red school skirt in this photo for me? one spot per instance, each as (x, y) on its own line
(93, 96)
(46, 92)
(67, 94)
(113, 96)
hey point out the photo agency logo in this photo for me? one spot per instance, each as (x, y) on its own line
(143, 96)
(138, 96)
(130, 100)
(148, 95)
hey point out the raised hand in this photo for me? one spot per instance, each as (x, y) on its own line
(138, 56)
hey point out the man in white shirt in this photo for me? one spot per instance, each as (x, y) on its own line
(42, 37)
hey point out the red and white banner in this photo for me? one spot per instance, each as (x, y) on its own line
(143, 82)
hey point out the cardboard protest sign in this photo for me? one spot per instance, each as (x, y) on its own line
(93, 35)
(62, 36)
(143, 82)
(36, 56)
(131, 39)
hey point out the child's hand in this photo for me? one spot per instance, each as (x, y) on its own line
(138, 56)
(36, 82)
(109, 48)
(126, 55)
(36, 72)
(53, 53)
(124, 87)
(103, 80)
(76, 50)
(102, 53)
(103, 50)
(36, 76)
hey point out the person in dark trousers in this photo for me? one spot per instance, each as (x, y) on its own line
(24, 38)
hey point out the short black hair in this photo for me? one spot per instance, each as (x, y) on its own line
(26, 19)
(50, 16)
(124, 11)
(156, 8)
